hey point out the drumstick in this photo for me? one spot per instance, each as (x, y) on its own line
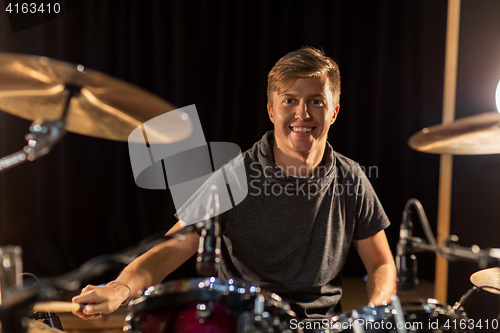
(58, 307)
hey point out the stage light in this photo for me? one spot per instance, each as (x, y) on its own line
(497, 97)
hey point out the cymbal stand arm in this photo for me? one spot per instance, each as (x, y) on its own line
(42, 137)
(473, 254)
(451, 251)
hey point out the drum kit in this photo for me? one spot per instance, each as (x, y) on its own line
(62, 97)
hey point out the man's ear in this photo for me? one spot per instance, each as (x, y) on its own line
(335, 113)
(270, 112)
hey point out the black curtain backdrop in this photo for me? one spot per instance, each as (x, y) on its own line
(81, 201)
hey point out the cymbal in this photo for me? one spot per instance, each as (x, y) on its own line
(32, 87)
(473, 135)
(489, 277)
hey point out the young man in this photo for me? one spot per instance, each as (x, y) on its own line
(305, 205)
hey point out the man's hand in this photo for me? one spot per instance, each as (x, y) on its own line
(147, 270)
(99, 300)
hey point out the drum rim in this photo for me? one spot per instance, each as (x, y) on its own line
(201, 283)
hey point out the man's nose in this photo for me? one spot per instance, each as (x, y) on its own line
(302, 112)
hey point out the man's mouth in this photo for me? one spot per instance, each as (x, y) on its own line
(301, 129)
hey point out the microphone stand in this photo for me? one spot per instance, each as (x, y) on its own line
(406, 261)
(208, 257)
(451, 251)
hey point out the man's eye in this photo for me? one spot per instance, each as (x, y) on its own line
(288, 101)
(317, 102)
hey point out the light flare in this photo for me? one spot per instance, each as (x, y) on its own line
(497, 97)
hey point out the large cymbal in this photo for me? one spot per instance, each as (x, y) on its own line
(31, 87)
(473, 135)
(485, 278)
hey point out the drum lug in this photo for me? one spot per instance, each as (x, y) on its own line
(203, 311)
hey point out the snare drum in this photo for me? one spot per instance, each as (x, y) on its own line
(421, 317)
(207, 305)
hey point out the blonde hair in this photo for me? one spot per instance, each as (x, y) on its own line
(307, 62)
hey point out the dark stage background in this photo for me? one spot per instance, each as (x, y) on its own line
(81, 201)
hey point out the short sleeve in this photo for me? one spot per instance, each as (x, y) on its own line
(370, 215)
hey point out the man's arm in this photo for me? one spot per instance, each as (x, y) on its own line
(379, 263)
(148, 269)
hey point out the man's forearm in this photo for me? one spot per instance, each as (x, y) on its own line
(381, 284)
(153, 266)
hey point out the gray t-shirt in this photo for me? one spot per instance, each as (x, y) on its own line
(291, 235)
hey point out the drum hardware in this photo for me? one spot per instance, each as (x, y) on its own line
(466, 299)
(487, 279)
(398, 315)
(473, 135)
(261, 319)
(411, 317)
(383, 318)
(406, 261)
(49, 319)
(204, 310)
(452, 251)
(408, 245)
(473, 254)
(208, 256)
(357, 327)
(233, 307)
(43, 135)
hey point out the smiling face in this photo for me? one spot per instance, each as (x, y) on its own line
(302, 115)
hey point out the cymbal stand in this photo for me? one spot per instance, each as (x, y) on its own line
(454, 252)
(43, 135)
(466, 299)
(451, 251)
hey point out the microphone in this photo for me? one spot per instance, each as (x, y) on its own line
(208, 257)
(406, 261)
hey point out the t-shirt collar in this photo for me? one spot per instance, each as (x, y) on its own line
(271, 170)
